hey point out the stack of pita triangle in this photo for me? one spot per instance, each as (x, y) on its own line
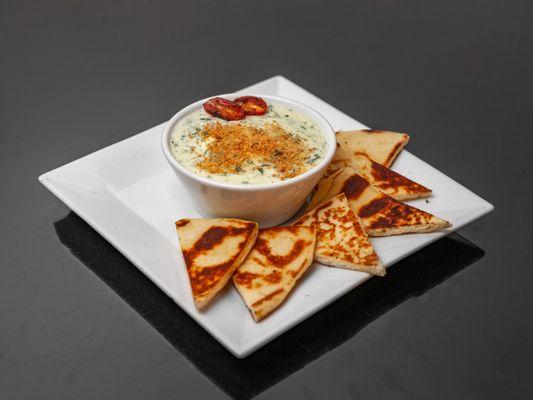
(359, 195)
(370, 153)
(360, 171)
(386, 180)
(380, 214)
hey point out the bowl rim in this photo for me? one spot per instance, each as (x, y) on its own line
(310, 113)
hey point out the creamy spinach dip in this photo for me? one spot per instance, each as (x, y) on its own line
(278, 145)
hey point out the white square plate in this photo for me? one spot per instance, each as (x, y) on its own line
(128, 193)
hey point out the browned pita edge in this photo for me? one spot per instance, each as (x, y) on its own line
(205, 286)
(401, 142)
(261, 250)
(329, 251)
(380, 214)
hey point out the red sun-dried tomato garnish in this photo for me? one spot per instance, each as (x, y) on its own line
(225, 109)
(252, 105)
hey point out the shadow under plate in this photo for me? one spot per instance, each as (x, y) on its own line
(322, 332)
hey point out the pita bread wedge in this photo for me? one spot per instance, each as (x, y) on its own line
(381, 215)
(381, 146)
(341, 241)
(278, 259)
(213, 249)
(389, 182)
(327, 188)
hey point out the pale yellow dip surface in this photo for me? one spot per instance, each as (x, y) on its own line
(189, 147)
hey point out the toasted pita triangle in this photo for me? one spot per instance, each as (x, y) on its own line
(327, 188)
(341, 241)
(386, 180)
(380, 214)
(213, 249)
(278, 259)
(381, 146)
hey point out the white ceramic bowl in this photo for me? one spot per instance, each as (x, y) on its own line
(268, 204)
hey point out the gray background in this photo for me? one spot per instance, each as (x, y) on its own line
(77, 321)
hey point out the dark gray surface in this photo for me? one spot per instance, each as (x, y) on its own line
(77, 321)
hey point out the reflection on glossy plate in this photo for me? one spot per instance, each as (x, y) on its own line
(128, 193)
